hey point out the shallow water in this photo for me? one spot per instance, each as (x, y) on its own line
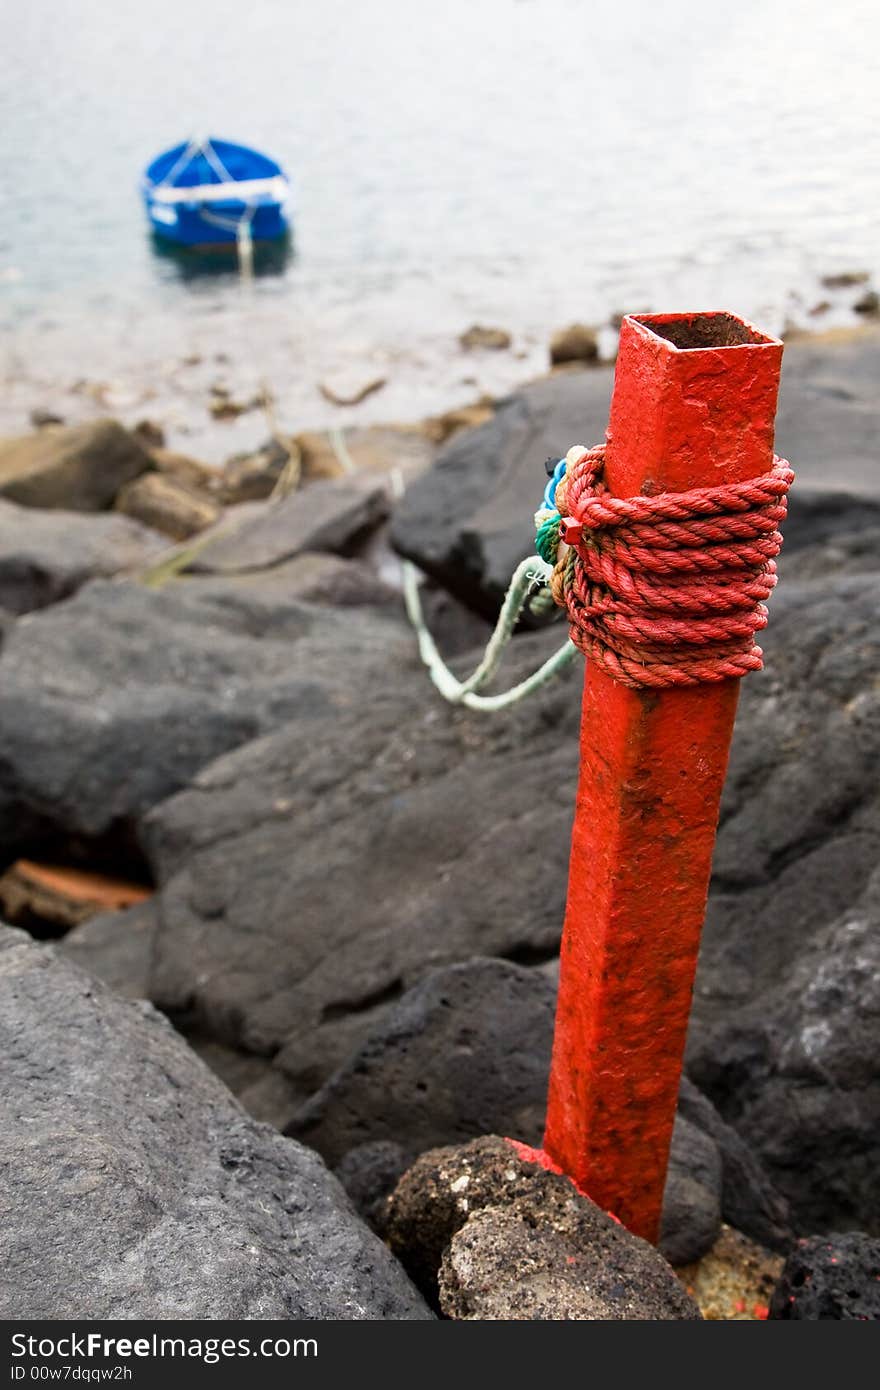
(520, 162)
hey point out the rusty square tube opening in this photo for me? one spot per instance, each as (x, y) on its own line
(700, 331)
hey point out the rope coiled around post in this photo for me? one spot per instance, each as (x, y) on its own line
(667, 590)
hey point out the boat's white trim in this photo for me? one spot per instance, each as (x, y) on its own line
(276, 188)
(167, 216)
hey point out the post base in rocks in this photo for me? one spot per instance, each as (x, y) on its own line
(693, 406)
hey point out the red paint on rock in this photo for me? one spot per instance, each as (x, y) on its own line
(653, 764)
(543, 1160)
(530, 1155)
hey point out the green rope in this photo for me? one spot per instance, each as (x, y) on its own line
(547, 536)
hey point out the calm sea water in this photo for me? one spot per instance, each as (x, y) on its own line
(515, 162)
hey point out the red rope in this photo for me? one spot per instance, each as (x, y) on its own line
(670, 590)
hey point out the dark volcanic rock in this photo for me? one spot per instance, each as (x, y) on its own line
(313, 578)
(112, 700)
(749, 1201)
(828, 412)
(799, 1071)
(830, 533)
(368, 1173)
(818, 517)
(468, 521)
(133, 1185)
(329, 515)
(514, 1241)
(117, 947)
(424, 837)
(79, 468)
(692, 1199)
(834, 1276)
(785, 1002)
(465, 1052)
(47, 555)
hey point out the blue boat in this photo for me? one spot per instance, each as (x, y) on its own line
(209, 192)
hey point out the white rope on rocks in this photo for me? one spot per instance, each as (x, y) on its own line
(530, 575)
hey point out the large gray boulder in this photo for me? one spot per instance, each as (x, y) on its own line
(47, 555)
(78, 468)
(133, 1185)
(467, 521)
(796, 1067)
(382, 854)
(465, 1052)
(112, 700)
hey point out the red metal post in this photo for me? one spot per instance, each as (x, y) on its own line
(693, 405)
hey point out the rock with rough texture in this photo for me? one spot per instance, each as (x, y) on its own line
(786, 998)
(577, 343)
(328, 515)
(328, 581)
(168, 505)
(749, 1201)
(465, 1052)
(454, 628)
(47, 555)
(113, 700)
(833, 1276)
(512, 1240)
(369, 1172)
(117, 948)
(796, 1067)
(692, 1197)
(78, 468)
(734, 1280)
(829, 533)
(41, 418)
(387, 858)
(468, 521)
(868, 304)
(133, 1185)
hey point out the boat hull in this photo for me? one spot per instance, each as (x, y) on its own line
(185, 225)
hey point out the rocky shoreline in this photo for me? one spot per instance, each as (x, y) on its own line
(350, 894)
